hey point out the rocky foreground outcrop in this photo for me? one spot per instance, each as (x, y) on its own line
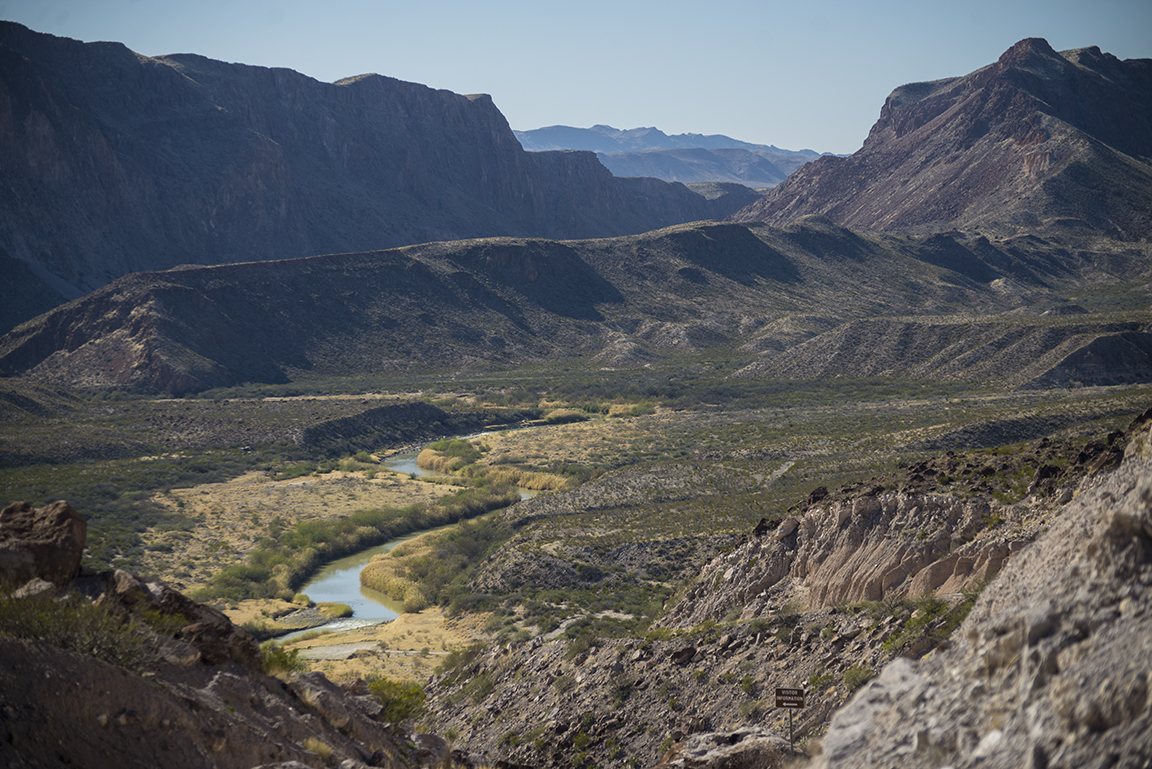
(109, 671)
(44, 544)
(820, 598)
(1049, 670)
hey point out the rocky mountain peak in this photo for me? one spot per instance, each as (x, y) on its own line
(1037, 141)
(1028, 50)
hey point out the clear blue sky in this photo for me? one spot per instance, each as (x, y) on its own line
(797, 75)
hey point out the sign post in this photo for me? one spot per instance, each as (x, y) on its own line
(790, 699)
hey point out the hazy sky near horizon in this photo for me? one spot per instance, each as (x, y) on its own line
(811, 75)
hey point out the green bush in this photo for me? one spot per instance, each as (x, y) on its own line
(565, 416)
(856, 676)
(279, 660)
(479, 688)
(402, 700)
(455, 663)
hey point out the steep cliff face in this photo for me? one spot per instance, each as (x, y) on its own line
(1038, 140)
(1050, 668)
(941, 526)
(114, 162)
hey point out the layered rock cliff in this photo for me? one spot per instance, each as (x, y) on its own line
(113, 162)
(1049, 670)
(1039, 140)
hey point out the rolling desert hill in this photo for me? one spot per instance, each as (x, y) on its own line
(621, 302)
(1039, 141)
(113, 163)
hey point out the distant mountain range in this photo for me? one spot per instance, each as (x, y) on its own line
(1039, 141)
(603, 138)
(680, 157)
(1040, 157)
(112, 163)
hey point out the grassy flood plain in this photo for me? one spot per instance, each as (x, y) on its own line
(212, 495)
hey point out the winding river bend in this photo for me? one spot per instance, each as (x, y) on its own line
(339, 581)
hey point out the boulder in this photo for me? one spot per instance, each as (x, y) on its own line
(749, 747)
(45, 542)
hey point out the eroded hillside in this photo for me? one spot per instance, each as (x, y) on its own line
(821, 598)
(701, 289)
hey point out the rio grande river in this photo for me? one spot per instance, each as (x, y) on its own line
(339, 581)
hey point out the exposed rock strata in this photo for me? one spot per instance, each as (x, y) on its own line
(863, 549)
(1050, 668)
(498, 302)
(938, 526)
(1023, 353)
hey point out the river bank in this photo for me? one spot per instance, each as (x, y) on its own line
(408, 648)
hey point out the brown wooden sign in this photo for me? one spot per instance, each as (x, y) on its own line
(790, 698)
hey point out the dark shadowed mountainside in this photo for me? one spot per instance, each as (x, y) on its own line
(625, 301)
(112, 163)
(1039, 141)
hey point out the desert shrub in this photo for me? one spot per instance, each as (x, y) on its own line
(789, 614)
(580, 643)
(856, 676)
(456, 662)
(751, 709)
(640, 409)
(819, 680)
(278, 660)
(74, 624)
(415, 602)
(479, 688)
(317, 747)
(622, 688)
(564, 683)
(565, 416)
(402, 700)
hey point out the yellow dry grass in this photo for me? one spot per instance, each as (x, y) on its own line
(407, 648)
(234, 515)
